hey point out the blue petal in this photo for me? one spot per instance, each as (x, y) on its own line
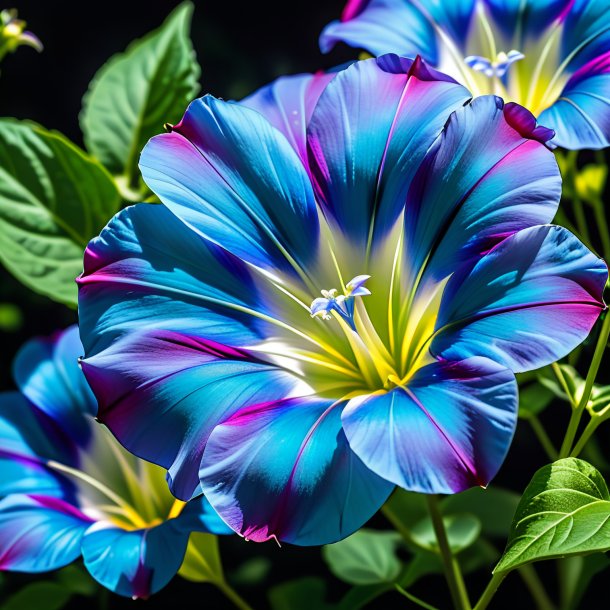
(481, 181)
(39, 533)
(161, 393)
(199, 516)
(284, 470)
(581, 116)
(28, 438)
(448, 430)
(586, 33)
(134, 563)
(148, 270)
(363, 154)
(288, 102)
(47, 373)
(527, 303)
(383, 26)
(233, 178)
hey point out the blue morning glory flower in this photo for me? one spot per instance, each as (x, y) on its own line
(550, 56)
(344, 276)
(69, 489)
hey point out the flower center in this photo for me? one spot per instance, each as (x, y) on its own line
(114, 486)
(496, 68)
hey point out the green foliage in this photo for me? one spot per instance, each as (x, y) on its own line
(364, 558)
(53, 199)
(202, 560)
(462, 530)
(11, 318)
(137, 91)
(533, 399)
(301, 594)
(77, 580)
(251, 572)
(41, 595)
(494, 507)
(564, 511)
(591, 181)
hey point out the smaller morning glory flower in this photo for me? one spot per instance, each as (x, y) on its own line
(69, 489)
(550, 56)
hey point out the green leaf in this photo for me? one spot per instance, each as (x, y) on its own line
(533, 399)
(494, 507)
(77, 580)
(42, 595)
(364, 558)
(565, 511)
(481, 554)
(251, 572)
(462, 531)
(301, 594)
(202, 559)
(136, 92)
(53, 200)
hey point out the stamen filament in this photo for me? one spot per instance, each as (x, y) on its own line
(78, 474)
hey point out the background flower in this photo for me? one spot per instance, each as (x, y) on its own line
(553, 57)
(195, 316)
(69, 489)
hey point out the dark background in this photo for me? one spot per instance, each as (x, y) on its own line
(240, 47)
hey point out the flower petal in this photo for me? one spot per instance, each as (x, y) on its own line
(134, 563)
(284, 470)
(148, 270)
(199, 516)
(486, 177)
(47, 373)
(527, 303)
(382, 26)
(28, 438)
(448, 430)
(161, 393)
(288, 103)
(581, 116)
(234, 179)
(363, 154)
(39, 533)
(586, 33)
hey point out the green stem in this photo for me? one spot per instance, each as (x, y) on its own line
(602, 227)
(585, 436)
(535, 587)
(562, 382)
(490, 590)
(577, 411)
(581, 220)
(414, 599)
(453, 574)
(233, 596)
(543, 437)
